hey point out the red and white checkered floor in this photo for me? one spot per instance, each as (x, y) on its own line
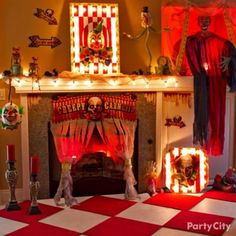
(162, 215)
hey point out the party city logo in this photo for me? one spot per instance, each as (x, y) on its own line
(208, 227)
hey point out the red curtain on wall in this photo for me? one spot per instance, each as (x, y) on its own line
(173, 17)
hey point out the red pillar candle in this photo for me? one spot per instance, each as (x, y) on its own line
(34, 165)
(11, 152)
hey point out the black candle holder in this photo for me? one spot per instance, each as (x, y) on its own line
(34, 189)
(11, 177)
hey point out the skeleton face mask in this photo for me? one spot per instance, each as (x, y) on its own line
(204, 22)
(95, 108)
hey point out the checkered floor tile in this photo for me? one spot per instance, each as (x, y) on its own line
(111, 215)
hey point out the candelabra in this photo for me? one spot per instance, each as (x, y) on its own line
(34, 189)
(11, 177)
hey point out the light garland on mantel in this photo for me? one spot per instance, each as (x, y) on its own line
(72, 82)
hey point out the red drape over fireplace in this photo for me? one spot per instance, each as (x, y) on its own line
(115, 123)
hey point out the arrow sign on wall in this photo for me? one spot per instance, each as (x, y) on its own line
(36, 41)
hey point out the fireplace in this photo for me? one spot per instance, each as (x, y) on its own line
(41, 143)
(152, 138)
(96, 172)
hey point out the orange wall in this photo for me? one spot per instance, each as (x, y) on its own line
(17, 23)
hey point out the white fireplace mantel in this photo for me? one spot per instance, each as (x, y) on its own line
(124, 83)
(70, 83)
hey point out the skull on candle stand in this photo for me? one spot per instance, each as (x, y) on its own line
(11, 115)
(95, 108)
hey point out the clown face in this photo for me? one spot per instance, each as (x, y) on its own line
(10, 114)
(96, 41)
(186, 166)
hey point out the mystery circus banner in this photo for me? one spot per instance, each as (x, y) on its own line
(94, 107)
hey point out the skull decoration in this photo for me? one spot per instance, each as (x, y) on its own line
(146, 18)
(10, 116)
(186, 166)
(185, 172)
(204, 22)
(95, 108)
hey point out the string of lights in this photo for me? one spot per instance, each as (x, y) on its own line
(68, 81)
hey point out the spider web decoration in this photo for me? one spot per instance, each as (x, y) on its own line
(85, 17)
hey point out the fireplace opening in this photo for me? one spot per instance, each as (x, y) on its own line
(96, 173)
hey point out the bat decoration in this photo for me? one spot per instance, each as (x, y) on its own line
(176, 121)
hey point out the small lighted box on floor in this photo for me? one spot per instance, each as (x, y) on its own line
(186, 170)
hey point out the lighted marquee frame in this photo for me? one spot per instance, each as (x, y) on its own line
(200, 180)
(83, 18)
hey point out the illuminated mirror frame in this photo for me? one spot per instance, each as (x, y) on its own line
(84, 18)
(199, 175)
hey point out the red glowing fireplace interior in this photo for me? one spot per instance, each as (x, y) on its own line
(97, 172)
(97, 161)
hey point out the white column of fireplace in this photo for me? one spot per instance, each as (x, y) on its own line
(25, 149)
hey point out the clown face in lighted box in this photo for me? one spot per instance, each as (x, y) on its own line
(96, 50)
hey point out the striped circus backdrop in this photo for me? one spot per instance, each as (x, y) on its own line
(84, 18)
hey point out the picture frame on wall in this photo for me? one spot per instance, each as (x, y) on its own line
(94, 31)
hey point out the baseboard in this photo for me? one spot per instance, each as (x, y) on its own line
(4, 195)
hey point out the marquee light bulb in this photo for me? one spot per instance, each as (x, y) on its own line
(114, 82)
(25, 72)
(19, 82)
(55, 82)
(133, 82)
(166, 83)
(74, 82)
(36, 85)
(147, 83)
(89, 83)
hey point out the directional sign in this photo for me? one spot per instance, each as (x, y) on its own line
(36, 41)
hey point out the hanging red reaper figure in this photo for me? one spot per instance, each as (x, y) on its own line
(212, 60)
